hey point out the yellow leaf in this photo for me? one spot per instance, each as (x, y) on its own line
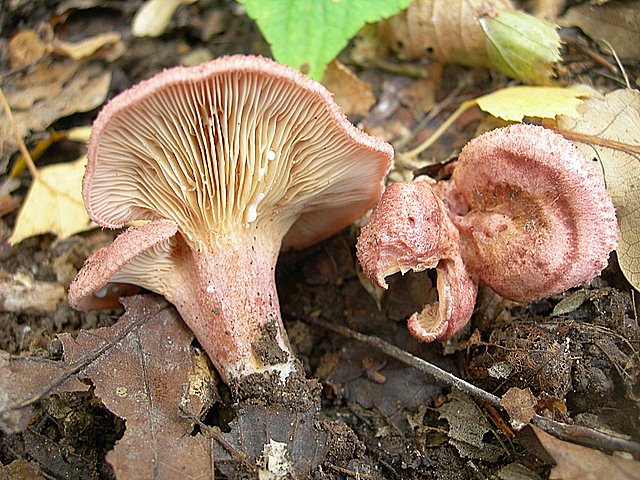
(54, 203)
(515, 103)
(608, 131)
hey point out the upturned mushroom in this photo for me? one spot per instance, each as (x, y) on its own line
(533, 220)
(229, 161)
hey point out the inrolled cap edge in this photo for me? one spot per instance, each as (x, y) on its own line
(103, 264)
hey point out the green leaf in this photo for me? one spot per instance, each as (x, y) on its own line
(308, 34)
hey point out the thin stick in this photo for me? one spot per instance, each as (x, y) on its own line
(586, 436)
(411, 154)
(411, 360)
(14, 127)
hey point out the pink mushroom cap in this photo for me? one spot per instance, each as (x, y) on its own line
(537, 219)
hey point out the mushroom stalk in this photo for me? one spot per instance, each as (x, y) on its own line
(227, 296)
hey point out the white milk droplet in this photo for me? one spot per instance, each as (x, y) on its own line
(252, 213)
(271, 155)
(102, 292)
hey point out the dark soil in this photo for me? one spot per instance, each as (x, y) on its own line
(379, 418)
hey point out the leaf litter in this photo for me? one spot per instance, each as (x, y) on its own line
(394, 426)
(138, 367)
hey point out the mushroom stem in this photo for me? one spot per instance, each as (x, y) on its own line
(228, 298)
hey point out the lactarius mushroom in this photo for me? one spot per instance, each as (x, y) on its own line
(410, 230)
(532, 220)
(536, 220)
(230, 161)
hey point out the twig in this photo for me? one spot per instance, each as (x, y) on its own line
(214, 434)
(620, 66)
(411, 154)
(347, 472)
(586, 436)
(573, 433)
(411, 360)
(14, 127)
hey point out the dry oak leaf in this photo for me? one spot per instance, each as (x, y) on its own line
(54, 203)
(52, 89)
(608, 131)
(574, 462)
(616, 24)
(140, 367)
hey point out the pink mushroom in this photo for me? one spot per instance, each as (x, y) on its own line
(229, 161)
(411, 230)
(531, 220)
(536, 219)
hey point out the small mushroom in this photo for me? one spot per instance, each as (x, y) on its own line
(410, 230)
(523, 212)
(535, 219)
(230, 161)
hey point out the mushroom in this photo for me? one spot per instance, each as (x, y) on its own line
(531, 219)
(230, 161)
(410, 230)
(535, 219)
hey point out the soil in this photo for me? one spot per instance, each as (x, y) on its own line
(377, 418)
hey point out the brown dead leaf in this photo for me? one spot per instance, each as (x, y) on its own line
(520, 405)
(616, 24)
(275, 439)
(24, 381)
(354, 96)
(574, 462)
(139, 367)
(52, 89)
(54, 203)
(608, 131)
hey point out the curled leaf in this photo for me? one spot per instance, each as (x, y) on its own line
(608, 132)
(477, 33)
(522, 46)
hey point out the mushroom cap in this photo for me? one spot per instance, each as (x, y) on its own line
(137, 256)
(410, 230)
(407, 231)
(538, 219)
(238, 142)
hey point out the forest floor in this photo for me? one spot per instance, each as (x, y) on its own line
(377, 418)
